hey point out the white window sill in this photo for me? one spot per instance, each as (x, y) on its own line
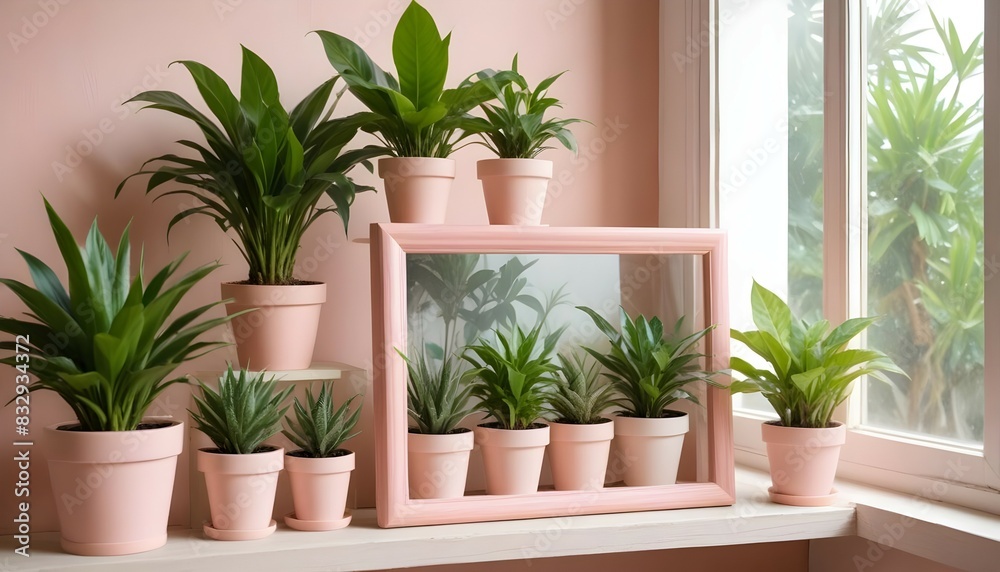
(957, 537)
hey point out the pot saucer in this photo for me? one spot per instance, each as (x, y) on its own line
(797, 500)
(317, 525)
(218, 534)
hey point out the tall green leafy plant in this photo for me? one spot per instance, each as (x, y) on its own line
(650, 370)
(264, 170)
(105, 342)
(811, 370)
(413, 116)
(244, 412)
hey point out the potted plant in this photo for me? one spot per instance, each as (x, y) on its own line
(809, 373)
(512, 379)
(262, 175)
(650, 371)
(417, 121)
(107, 346)
(580, 435)
(516, 130)
(437, 449)
(320, 471)
(241, 472)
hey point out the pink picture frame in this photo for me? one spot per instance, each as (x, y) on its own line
(390, 243)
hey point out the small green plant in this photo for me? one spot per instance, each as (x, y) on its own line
(413, 116)
(319, 428)
(514, 376)
(437, 397)
(244, 413)
(265, 170)
(649, 370)
(515, 127)
(579, 396)
(116, 345)
(811, 370)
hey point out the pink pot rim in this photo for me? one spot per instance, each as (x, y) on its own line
(416, 167)
(511, 438)
(250, 464)
(450, 443)
(114, 446)
(536, 168)
(804, 436)
(652, 427)
(253, 295)
(320, 466)
(582, 433)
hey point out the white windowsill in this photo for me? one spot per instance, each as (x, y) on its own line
(957, 537)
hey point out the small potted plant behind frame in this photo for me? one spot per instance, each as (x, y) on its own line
(119, 350)
(513, 378)
(418, 122)
(262, 176)
(580, 436)
(650, 371)
(810, 372)
(515, 129)
(437, 450)
(320, 471)
(241, 472)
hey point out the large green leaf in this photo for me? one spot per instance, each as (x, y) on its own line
(421, 56)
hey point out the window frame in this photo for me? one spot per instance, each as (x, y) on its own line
(925, 469)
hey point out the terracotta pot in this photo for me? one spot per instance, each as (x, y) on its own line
(281, 333)
(578, 455)
(513, 458)
(437, 465)
(803, 462)
(650, 449)
(319, 489)
(112, 489)
(515, 189)
(241, 491)
(417, 188)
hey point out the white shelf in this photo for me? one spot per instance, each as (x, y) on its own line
(319, 371)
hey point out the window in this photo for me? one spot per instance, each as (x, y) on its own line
(896, 149)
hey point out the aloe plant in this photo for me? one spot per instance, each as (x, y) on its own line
(437, 396)
(242, 414)
(413, 116)
(105, 342)
(579, 396)
(811, 371)
(319, 427)
(264, 170)
(648, 368)
(515, 127)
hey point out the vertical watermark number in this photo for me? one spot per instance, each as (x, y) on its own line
(22, 421)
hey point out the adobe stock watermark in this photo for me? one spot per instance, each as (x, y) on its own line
(94, 136)
(696, 45)
(31, 25)
(563, 12)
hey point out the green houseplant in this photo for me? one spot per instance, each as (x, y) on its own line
(262, 175)
(320, 471)
(650, 370)
(416, 119)
(437, 448)
(513, 378)
(516, 131)
(107, 346)
(810, 371)
(241, 472)
(580, 434)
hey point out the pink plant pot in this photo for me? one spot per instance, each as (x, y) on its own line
(513, 458)
(241, 488)
(649, 450)
(281, 333)
(803, 461)
(438, 465)
(319, 488)
(112, 489)
(578, 455)
(417, 188)
(515, 189)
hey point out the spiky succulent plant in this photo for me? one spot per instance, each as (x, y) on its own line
(436, 395)
(242, 414)
(319, 427)
(579, 395)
